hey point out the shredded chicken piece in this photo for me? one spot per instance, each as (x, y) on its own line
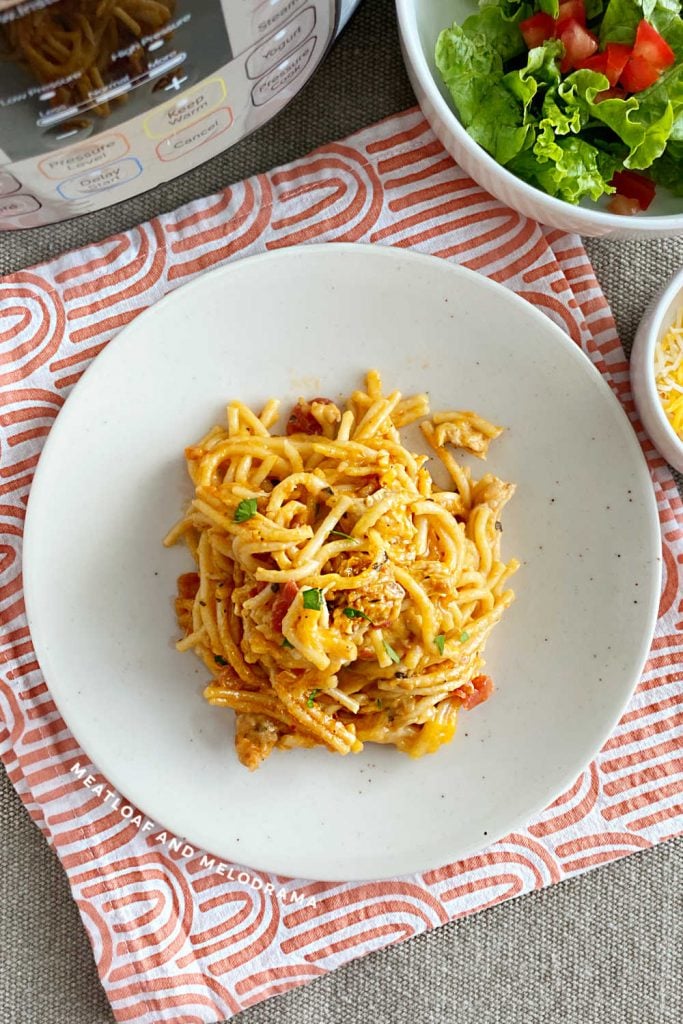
(255, 738)
(464, 430)
(492, 492)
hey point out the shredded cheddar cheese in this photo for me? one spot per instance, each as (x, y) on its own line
(669, 373)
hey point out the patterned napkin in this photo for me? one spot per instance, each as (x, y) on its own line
(177, 935)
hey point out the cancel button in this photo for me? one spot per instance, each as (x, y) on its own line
(195, 135)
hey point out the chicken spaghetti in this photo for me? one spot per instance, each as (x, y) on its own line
(340, 596)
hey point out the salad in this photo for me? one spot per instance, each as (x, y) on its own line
(580, 98)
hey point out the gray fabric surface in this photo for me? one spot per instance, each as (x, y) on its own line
(606, 947)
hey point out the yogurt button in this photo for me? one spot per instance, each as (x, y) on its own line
(281, 43)
(285, 73)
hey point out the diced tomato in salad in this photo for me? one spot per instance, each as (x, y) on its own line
(537, 29)
(579, 44)
(615, 93)
(628, 69)
(617, 59)
(572, 9)
(635, 67)
(638, 74)
(623, 206)
(650, 46)
(634, 186)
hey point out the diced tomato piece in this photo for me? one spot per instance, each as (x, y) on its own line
(579, 44)
(623, 206)
(615, 93)
(652, 47)
(634, 186)
(598, 62)
(537, 29)
(638, 74)
(572, 9)
(483, 688)
(611, 62)
(283, 600)
(188, 585)
(301, 419)
(617, 58)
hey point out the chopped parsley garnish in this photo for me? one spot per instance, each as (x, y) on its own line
(345, 536)
(356, 613)
(313, 599)
(378, 702)
(245, 510)
(391, 652)
(440, 640)
(219, 659)
(286, 643)
(464, 636)
(311, 698)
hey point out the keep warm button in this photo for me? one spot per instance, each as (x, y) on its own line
(195, 135)
(101, 179)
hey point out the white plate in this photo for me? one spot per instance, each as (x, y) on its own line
(311, 320)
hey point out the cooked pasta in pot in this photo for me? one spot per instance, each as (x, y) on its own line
(75, 44)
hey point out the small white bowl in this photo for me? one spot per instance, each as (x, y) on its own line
(657, 320)
(420, 22)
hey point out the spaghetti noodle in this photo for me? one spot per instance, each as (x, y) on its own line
(341, 596)
(76, 43)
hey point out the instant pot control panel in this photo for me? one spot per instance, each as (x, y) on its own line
(94, 110)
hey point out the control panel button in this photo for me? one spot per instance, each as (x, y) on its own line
(190, 106)
(285, 73)
(15, 206)
(195, 135)
(278, 46)
(100, 180)
(101, 151)
(8, 184)
(272, 15)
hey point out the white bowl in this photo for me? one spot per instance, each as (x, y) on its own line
(420, 22)
(658, 318)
